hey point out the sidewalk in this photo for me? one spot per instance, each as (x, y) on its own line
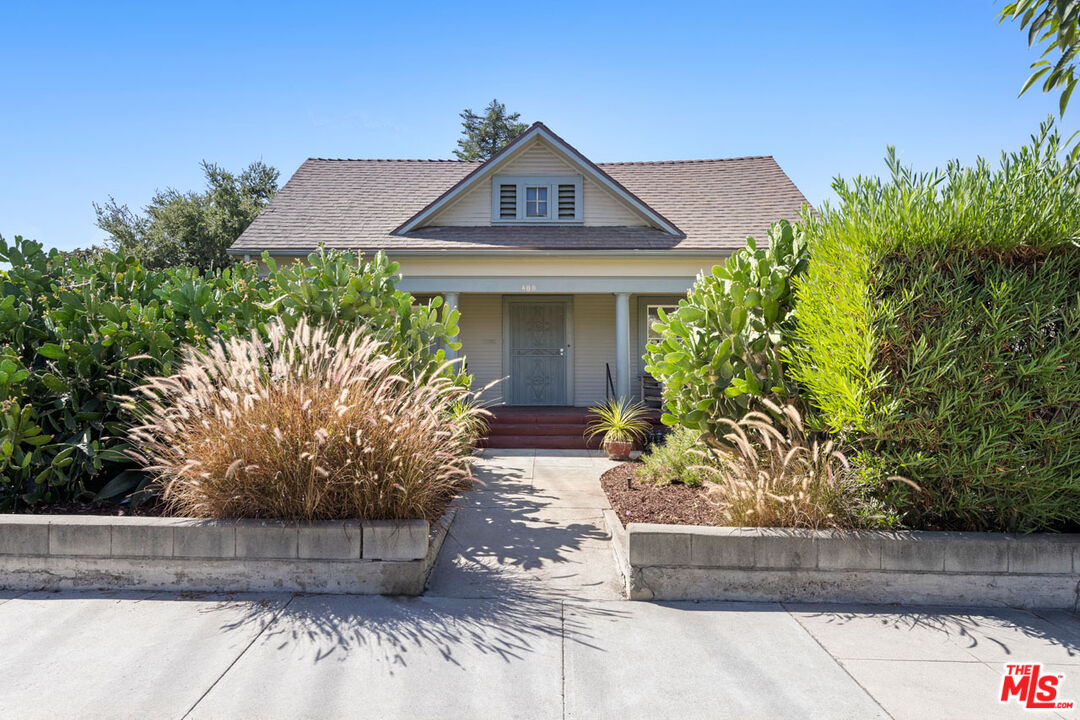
(523, 619)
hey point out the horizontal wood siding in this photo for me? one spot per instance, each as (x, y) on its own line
(594, 337)
(481, 343)
(603, 209)
(473, 208)
(538, 160)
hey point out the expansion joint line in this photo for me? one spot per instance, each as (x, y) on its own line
(243, 652)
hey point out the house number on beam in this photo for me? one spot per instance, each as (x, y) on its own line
(528, 287)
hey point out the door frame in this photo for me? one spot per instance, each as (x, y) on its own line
(568, 305)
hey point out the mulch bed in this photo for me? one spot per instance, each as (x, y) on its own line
(674, 504)
(150, 509)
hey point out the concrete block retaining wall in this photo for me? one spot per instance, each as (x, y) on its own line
(671, 562)
(61, 551)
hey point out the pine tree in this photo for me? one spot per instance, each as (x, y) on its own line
(486, 134)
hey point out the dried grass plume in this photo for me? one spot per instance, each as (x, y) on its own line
(769, 473)
(307, 425)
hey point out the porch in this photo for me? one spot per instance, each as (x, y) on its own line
(557, 351)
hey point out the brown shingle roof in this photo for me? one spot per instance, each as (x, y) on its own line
(356, 204)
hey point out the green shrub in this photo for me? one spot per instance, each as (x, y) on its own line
(678, 459)
(939, 334)
(76, 332)
(719, 349)
(472, 418)
(312, 425)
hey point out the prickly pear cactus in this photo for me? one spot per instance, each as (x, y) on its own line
(721, 347)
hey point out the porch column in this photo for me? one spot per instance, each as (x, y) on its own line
(450, 300)
(622, 345)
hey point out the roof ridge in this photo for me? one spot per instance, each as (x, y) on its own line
(687, 162)
(601, 164)
(392, 160)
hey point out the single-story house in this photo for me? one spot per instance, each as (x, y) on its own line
(555, 262)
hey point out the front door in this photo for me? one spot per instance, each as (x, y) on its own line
(537, 353)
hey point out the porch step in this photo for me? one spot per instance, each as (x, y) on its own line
(538, 415)
(548, 428)
(527, 429)
(540, 442)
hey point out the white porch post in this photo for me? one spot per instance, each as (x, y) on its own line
(450, 299)
(622, 345)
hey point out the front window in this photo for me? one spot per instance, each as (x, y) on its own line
(536, 202)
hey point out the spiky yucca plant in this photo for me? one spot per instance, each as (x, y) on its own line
(618, 421)
(769, 473)
(308, 426)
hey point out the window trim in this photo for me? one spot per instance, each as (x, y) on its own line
(552, 182)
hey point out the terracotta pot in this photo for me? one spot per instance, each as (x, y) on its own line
(618, 449)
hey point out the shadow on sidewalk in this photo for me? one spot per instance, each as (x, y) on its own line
(1000, 629)
(511, 626)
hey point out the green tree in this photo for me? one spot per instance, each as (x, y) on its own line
(485, 134)
(1055, 24)
(192, 228)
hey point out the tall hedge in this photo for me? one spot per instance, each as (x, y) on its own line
(939, 332)
(76, 333)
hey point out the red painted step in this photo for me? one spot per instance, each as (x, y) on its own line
(565, 418)
(540, 442)
(527, 429)
(541, 427)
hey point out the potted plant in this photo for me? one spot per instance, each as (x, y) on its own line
(621, 423)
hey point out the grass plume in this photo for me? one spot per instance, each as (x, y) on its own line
(310, 425)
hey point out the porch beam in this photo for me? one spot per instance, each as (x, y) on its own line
(622, 345)
(655, 285)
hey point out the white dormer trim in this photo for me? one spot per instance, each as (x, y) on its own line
(578, 161)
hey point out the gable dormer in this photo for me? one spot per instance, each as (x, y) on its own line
(537, 180)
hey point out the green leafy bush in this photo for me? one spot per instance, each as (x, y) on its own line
(719, 349)
(466, 412)
(76, 332)
(678, 459)
(939, 334)
(312, 425)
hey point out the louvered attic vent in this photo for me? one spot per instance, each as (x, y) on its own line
(536, 199)
(567, 201)
(507, 202)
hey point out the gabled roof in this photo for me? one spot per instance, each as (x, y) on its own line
(537, 131)
(356, 205)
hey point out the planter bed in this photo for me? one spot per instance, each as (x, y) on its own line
(163, 553)
(684, 562)
(675, 504)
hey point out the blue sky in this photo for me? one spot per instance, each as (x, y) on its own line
(125, 99)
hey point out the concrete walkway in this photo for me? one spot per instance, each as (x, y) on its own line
(533, 527)
(523, 619)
